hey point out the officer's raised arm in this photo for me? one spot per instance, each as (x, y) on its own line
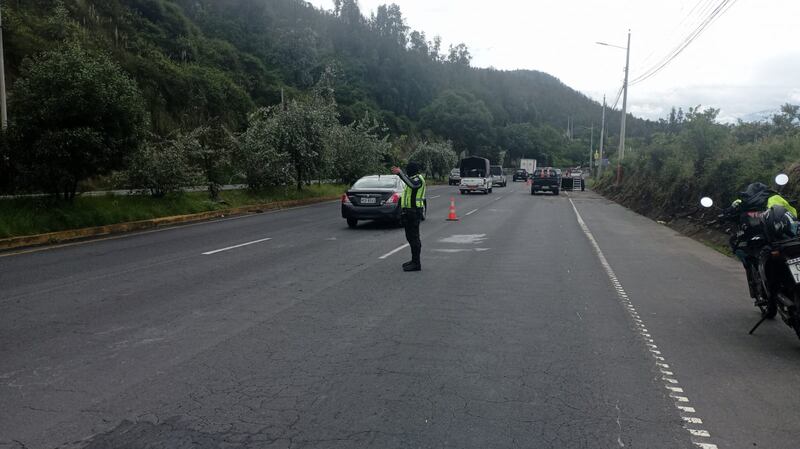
(413, 183)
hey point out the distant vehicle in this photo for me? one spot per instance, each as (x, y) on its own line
(575, 173)
(529, 165)
(455, 177)
(520, 175)
(546, 179)
(475, 175)
(375, 197)
(498, 178)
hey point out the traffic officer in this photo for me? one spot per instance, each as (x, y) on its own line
(412, 205)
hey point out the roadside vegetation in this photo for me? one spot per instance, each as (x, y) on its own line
(154, 95)
(28, 216)
(666, 175)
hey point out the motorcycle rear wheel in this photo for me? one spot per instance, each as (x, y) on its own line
(769, 310)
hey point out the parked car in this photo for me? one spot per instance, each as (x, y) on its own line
(475, 175)
(375, 197)
(455, 177)
(546, 179)
(520, 175)
(498, 177)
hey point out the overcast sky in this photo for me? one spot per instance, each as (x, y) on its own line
(747, 62)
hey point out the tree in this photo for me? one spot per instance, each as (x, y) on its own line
(77, 115)
(160, 167)
(461, 118)
(300, 133)
(437, 158)
(357, 150)
(389, 23)
(210, 147)
(459, 55)
(258, 155)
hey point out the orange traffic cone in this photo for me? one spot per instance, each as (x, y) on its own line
(452, 215)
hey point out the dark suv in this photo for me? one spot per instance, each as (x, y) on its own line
(520, 175)
(546, 179)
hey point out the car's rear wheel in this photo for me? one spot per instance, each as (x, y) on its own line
(556, 191)
(352, 222)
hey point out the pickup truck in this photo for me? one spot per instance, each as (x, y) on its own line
(475, 175)
(546, 179)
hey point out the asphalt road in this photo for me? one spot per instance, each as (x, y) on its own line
(534, 324)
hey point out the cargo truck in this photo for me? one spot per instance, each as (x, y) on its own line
(529, 165)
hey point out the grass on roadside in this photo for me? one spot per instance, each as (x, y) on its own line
(28, 216)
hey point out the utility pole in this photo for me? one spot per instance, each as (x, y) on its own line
(624, 110)
(591, 146)
(602, 136)
(569, 128)
(3, 107)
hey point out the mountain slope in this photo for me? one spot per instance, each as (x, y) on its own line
(201, 59)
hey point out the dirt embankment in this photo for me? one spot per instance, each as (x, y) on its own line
(693, 221)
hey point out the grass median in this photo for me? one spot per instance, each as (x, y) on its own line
(29, 216)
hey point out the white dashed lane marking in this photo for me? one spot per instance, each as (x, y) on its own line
(699, 437)
(208, 253)
(399, 248)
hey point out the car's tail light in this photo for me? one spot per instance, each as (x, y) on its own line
(345, 199)
(394, 199)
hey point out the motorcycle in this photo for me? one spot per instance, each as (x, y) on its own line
(768, 245)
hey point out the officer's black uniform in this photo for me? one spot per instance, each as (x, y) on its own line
(412, 204)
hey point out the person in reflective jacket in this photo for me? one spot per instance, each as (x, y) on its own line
(412, 204)
(759, 198)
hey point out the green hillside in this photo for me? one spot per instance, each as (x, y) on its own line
(196, 59)
(190, 64)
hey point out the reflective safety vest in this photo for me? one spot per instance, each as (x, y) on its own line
(777, 200)
(408, 199)
(774, 200)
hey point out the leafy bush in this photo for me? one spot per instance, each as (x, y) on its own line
(161, 167)
(76, 115)
(209, 149)
(700, 157)
(437, 158)
(357, 150)
(258, 158)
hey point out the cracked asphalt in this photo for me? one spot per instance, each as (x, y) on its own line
(512, 336)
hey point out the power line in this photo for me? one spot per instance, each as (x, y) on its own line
(679, 48)
(717, 12)
(619, 94)
(677, 29)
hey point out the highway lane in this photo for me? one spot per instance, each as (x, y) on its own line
(696, 304)
(512, 336)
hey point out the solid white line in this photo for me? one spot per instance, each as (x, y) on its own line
(471, 212)
(399, 248)
(671, 381)
(235, 246)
